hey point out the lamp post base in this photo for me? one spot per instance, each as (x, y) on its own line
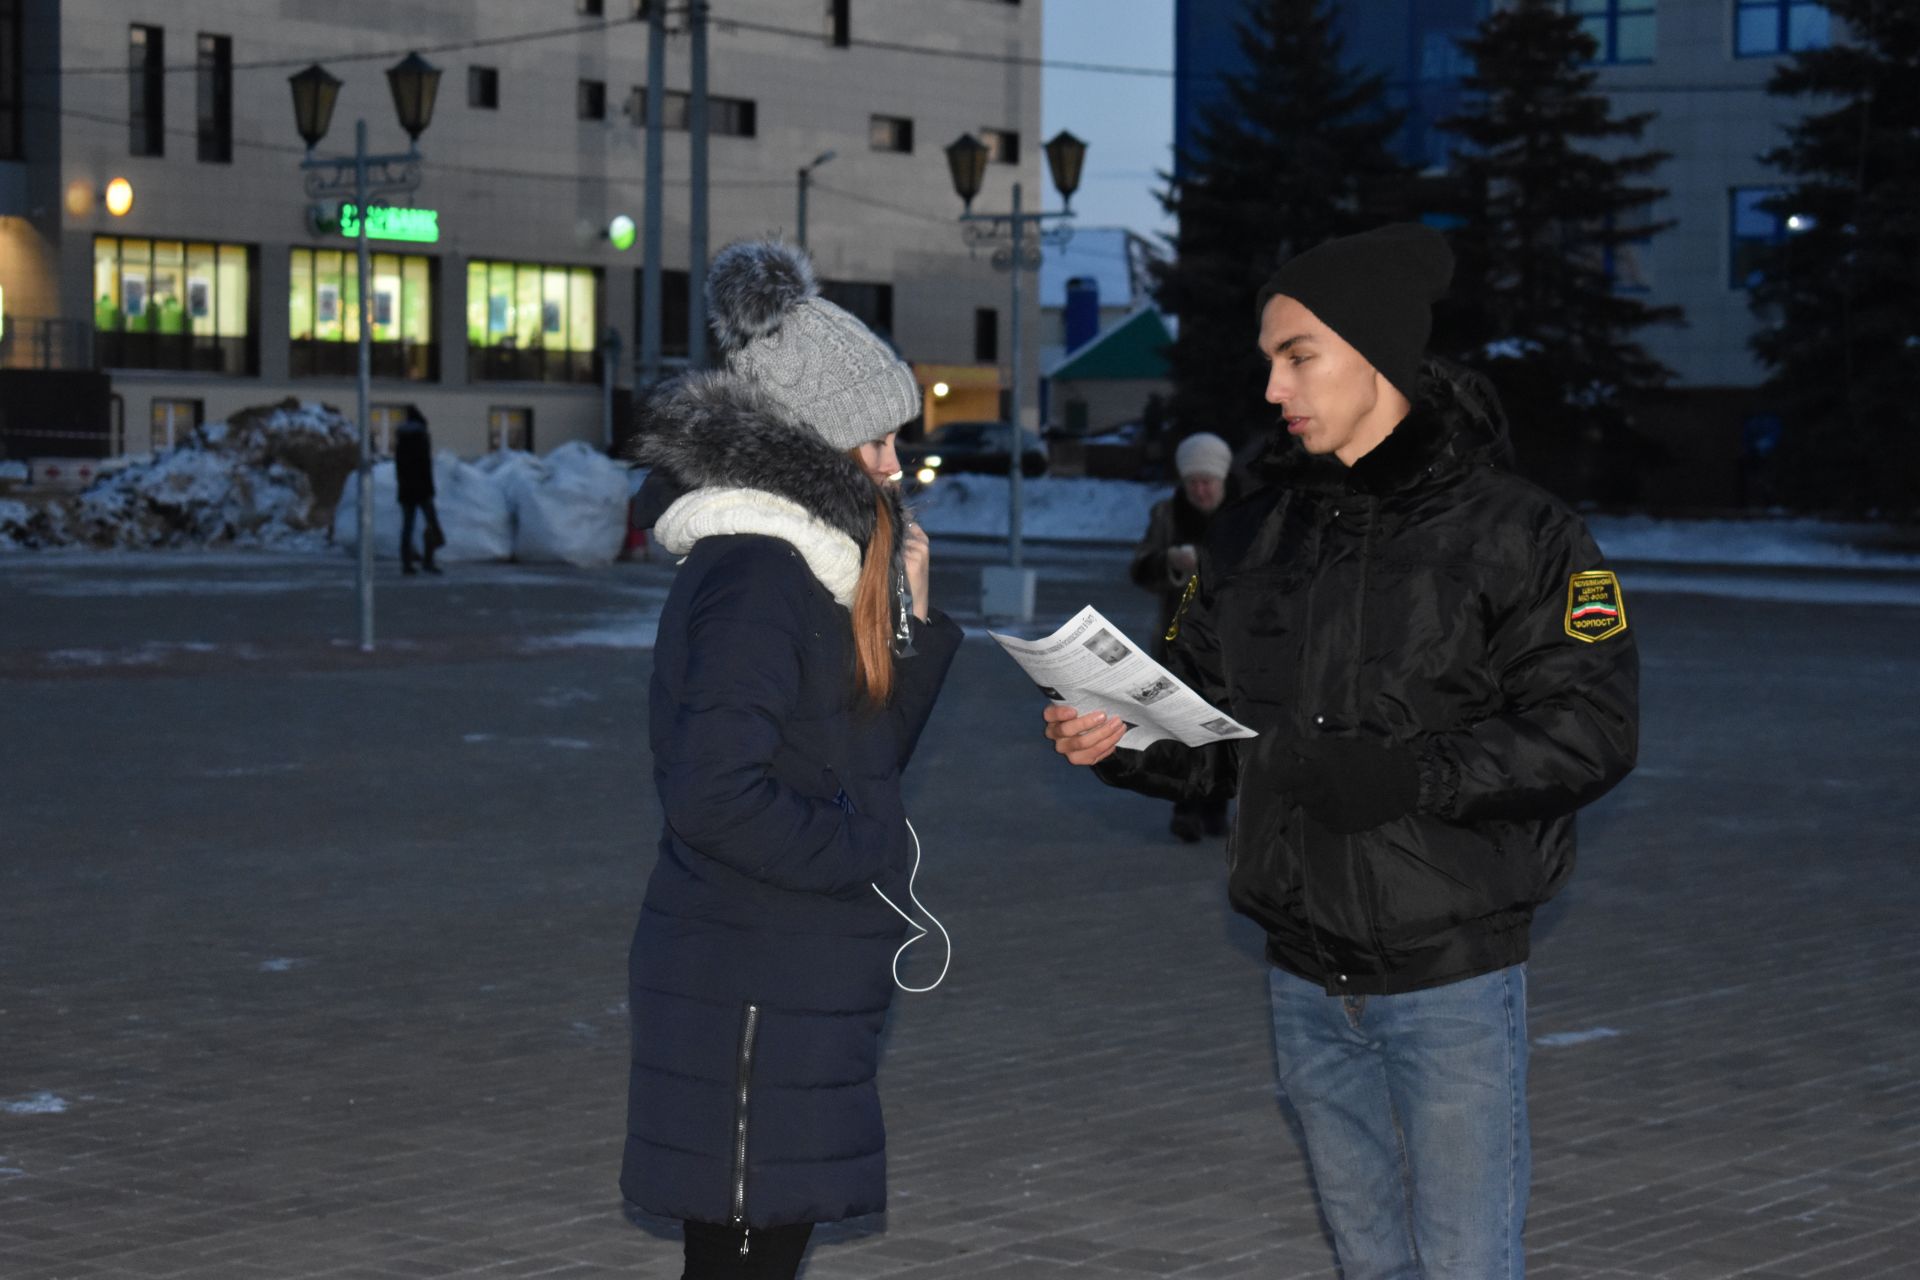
(1006, 593)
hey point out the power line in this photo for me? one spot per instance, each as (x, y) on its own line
(485, 171)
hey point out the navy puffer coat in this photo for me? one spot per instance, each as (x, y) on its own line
(761, 969)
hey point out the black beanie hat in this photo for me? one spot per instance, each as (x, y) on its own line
(1376, 290)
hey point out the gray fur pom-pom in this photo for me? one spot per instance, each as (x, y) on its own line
(752, 285)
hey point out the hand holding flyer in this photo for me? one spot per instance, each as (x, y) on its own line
(1090, 664)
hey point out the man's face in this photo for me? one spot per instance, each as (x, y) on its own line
(1330, 397)
(1204, 492)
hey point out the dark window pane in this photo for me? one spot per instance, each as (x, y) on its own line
(146, 96)
(1757, 32)
(591, 100)
(214, 94)
(986, 335)
(1808, 27)
(10, 77)
(483, 88)
(1634, 38)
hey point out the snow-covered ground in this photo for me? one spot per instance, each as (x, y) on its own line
(570, 506)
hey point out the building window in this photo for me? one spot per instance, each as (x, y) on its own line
(591, 100)
(1625, 264)
(323, 315)
(532, 322)
(986, 335)
(510, 426)
(840, 22)
(726, 117)
(172, 304)
(1003, 145)
(1752, 231)
(731, 117)
(10, 75)
(589, 8)
(146, 91)
(676, 315)
(1623, 29)
(1763, 28)
(172, 421)
(483, 88)
(214, 90)
(890, 133)
(871, 304)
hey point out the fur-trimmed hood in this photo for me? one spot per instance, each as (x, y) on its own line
(742, 464)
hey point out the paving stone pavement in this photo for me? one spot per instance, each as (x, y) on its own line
(312, 963)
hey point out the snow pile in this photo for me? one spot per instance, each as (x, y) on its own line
(473, 513)
(1810, 544)
(254, 480)
(573, 509)
(12, 472)
(1068, 508)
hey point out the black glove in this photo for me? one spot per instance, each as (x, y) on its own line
(1352, 784)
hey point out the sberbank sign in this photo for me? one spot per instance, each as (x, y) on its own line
(388, 222)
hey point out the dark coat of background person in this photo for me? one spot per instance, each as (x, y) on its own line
(1418, 597)
(413, 463)
(761, 969)
(1173, 522)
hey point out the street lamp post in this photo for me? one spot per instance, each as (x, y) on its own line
(1009, 592)
(414, 83)
(806, 180)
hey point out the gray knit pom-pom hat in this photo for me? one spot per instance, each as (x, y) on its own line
(818, 361)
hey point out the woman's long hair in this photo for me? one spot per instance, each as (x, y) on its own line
(873, 607)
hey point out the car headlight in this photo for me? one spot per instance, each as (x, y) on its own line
(931, 462)
(926, 475)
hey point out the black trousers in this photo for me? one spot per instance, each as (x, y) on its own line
(430, 539)
(771, 1253)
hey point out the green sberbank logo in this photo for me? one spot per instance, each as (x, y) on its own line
(390, 222)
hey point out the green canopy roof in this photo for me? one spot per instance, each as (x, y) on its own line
(1133, 349)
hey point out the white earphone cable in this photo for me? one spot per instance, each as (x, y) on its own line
(922, 929)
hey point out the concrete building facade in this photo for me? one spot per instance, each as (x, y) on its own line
(223, 285)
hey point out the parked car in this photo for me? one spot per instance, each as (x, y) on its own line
(972, 446)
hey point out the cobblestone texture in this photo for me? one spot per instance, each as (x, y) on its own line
(312, 964)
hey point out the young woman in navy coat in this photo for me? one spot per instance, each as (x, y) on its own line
(796, 665)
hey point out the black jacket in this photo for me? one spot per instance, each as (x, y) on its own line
(1422, 597)
(1173, 522)
(761, 969)
(413, 462)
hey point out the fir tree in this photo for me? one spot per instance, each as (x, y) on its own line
(1279, 166)
(1553, 206)
(1839, 297)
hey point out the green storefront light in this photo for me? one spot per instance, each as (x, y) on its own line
(390, 222)
(621, 231)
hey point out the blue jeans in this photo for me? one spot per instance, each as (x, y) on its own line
(1414, 1110)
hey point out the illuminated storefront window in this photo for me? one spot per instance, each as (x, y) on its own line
(533, 323)
(173, 304)
(323, 315)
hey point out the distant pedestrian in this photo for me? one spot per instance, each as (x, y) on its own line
(796, 663)
(1441, 672)
(413, 476)
(1164, 562)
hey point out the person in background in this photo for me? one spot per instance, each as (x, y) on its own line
(1164, 562)
(797, 661)
(413, 476)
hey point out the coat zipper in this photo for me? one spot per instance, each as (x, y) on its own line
(749, 1025)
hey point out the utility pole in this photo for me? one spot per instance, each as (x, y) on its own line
(654, 209)
(697, 122)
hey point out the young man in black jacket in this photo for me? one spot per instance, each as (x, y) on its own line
(1440, 669)
(413, 476)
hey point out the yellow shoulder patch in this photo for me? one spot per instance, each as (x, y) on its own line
(1595, 607)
